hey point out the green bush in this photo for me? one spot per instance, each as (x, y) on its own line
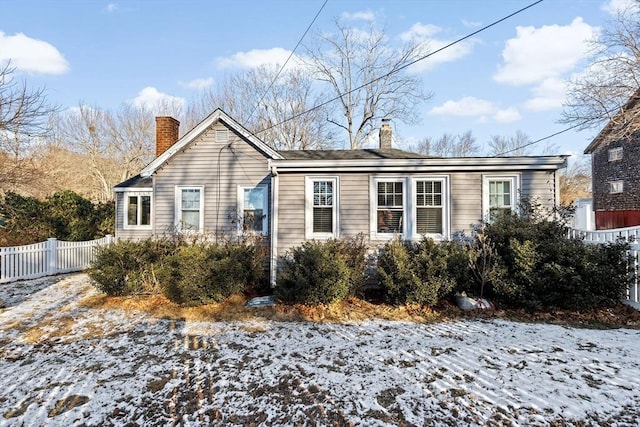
(129, 268)
(314, 273)
(204, 273)
(419, 272)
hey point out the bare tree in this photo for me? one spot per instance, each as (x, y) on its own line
(24, 115)
(575, 180)
(368, 78)
(597, 95)
(271, 108)
(448, 145)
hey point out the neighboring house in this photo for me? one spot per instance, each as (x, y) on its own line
(221, 178)
(615, 163)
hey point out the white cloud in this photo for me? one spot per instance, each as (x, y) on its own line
(111, 7)
(614, 7)
(198, 83)
(536, 54)
(508, 115)
(467, 106)
(425, 34)
(158, 102)
(31, 55)
(549, 95)
(363, 15)
(255, 58)
(471, 24)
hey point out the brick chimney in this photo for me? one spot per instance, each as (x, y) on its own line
(385, 135)
(167, 129)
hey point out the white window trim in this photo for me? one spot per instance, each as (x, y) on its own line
(178, 208)
(515, 185)
(373, 205)
(125, 212)
(308, 208)
(615, 154)
(446, 202)
(613, 184)
(265, 203)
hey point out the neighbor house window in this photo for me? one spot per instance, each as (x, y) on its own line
(190, 209)
(138, 210)
(615, 154)
(500, 195)
(321, 213)
(616, 187)
(390, 206)
(429, 206)
(253, 205)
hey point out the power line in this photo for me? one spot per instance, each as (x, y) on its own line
(285, 62)
(486, 27)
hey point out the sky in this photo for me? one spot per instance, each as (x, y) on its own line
(510, 77)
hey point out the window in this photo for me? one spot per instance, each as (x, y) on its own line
(429, 206)
(616, 187)
(222, 135)
(253, 205)
(138, 210)
(189, 209)
(390, 206)
(615, 154)
(500, 195)
(321, 216)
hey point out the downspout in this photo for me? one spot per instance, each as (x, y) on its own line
(273, 267)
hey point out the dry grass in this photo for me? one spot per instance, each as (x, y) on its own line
(233, 309)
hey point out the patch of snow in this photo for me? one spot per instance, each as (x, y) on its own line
(62, 363)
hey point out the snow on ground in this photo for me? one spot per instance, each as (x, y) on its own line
(62, 363)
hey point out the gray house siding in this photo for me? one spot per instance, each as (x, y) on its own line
(220, 167)
(354, 201)
(121, 232)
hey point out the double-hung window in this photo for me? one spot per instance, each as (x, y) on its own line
(138, 210)
(253, 202)
(190, 209)
(390, 206)
(616, 187)
(321, 211)
(615, 154)
(500, 195)
(429, 206)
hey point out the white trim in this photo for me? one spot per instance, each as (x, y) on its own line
(199, 129)
(615, 154)
(125, 210)
(132, 189)
(373, 205)
(275, 182)
(178, 208)
(446, 203)
(308, 207)
(613, 187)
(265, 208)
(515, 190)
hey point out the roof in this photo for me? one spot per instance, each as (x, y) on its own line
(193, 134)
(136, 182)
(617, 123)
(366, 154)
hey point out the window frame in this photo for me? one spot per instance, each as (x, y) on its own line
(308, 209)
(615, 154)
(265, 209)
(178, 208)
(125, 212)
(514, 180)
(373, 203)
(613, 187)
(445, 205)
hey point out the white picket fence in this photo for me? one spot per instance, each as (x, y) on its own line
(630, 235)
(47, 258)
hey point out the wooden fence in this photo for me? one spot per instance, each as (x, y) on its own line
(47, 258)
(630, 235)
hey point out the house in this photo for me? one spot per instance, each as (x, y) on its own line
(615, 164)
(221, 178)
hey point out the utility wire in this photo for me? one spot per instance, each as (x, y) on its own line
(285, 62)
(486, 27)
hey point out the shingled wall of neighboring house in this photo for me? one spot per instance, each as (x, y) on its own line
(614, 210)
